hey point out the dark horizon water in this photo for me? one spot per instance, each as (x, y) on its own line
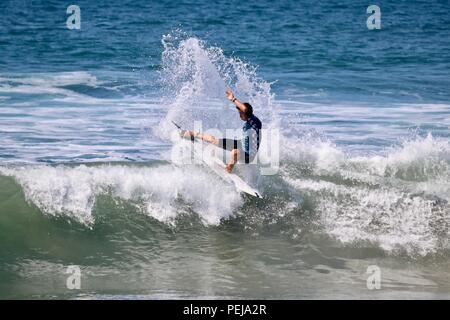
(87, 177)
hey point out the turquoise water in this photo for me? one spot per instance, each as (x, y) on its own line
(87, 176)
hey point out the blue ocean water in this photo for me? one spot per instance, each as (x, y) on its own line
(85, 148)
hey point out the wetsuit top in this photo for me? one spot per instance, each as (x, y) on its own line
(251, 135)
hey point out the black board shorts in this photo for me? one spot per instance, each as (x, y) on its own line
(230, 144)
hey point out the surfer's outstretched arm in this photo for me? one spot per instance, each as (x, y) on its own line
(205, 137)
(239, 104)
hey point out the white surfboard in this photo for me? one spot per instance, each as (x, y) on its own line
(218, 167)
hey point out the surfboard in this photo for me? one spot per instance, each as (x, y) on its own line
(218, 167)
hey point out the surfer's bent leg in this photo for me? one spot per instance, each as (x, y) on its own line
(238, 156)
(234, 159)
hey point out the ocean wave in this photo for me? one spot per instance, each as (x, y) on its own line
(156, 191)
(398, 201)
(352, 199)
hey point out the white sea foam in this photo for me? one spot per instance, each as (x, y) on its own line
(52, 79)
(398, 201)
(72, 191)
(417, 159)
(47, 83)
(385, 216)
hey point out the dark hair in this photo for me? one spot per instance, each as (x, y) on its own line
(248, 109)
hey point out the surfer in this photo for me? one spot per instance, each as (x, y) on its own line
(244, 150)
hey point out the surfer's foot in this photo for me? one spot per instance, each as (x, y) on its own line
(187, 134)
(229, 167)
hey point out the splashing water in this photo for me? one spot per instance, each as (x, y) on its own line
(196, 77)
(67, 191)
(399, 202)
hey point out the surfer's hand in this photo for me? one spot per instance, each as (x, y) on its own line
(229, 167)
(230, 95)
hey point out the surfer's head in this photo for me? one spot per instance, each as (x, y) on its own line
(248, 111)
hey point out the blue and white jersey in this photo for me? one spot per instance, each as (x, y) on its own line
(251, 135)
